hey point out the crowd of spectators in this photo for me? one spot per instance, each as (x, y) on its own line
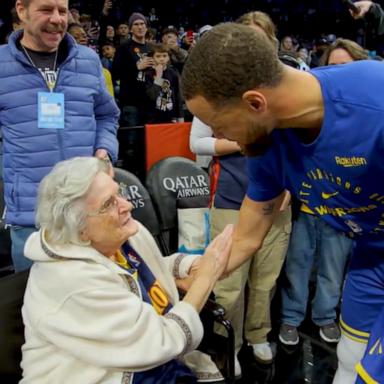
(147, 91)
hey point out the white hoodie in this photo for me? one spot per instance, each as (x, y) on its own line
(85, 321)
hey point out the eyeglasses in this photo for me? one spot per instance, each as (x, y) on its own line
(112, 202)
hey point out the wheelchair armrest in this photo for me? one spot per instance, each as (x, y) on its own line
(216, 313)
(214, 308)
(211, 307)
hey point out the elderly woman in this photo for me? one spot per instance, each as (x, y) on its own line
(101, 304)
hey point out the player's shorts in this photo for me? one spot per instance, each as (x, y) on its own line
(363, 292)
(371, 368)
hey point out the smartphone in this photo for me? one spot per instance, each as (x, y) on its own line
(190, 34)
(95, 24)
(351, 6)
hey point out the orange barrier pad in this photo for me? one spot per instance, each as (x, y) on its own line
(164, 140)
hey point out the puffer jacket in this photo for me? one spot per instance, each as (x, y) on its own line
(91, 119)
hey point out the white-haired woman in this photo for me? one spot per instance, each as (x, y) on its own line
(101, 304)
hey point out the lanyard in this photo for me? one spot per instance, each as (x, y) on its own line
(50, 82)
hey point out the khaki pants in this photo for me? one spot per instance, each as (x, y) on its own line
(261, 272)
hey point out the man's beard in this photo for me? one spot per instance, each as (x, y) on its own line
(258, 141)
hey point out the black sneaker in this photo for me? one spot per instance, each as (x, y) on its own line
(330, 333)
(288, 334)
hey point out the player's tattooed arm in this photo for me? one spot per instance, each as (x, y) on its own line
(268, 208)
(255, 220)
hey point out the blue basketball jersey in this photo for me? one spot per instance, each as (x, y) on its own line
(340, 175)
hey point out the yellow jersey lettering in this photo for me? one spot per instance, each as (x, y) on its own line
(324, 210)
(376, 197)
(340, 212)
(158, 298)
(361, 209)
(321, 210)
(350, 161)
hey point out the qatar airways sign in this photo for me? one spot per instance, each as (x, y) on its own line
(187, 186)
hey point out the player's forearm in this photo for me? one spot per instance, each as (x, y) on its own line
(255, 220)
(243, 249)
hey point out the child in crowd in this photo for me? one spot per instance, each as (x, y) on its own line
(108, 53)
(164, 103)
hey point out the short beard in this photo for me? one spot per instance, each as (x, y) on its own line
(259, 139)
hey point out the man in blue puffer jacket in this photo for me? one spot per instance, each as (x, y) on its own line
(53, 106)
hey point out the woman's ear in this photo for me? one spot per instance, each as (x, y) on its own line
(83, 235)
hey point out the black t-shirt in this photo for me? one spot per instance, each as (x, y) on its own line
(132, 81)
(46, 62)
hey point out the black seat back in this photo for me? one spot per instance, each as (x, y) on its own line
(12, 290)
(138, 195)
(5, 239)
(132, 150)
(176, 182)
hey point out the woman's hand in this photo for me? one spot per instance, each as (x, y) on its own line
(184, 284)
(207, 269)
(215, 258)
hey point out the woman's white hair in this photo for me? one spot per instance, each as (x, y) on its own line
(60, 201)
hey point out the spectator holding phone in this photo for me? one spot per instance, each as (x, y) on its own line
(372, 12)
(177, 54)
(188, 40)
(129, 66)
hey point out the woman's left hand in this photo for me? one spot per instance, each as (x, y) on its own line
(214, 260)
(184, 284)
